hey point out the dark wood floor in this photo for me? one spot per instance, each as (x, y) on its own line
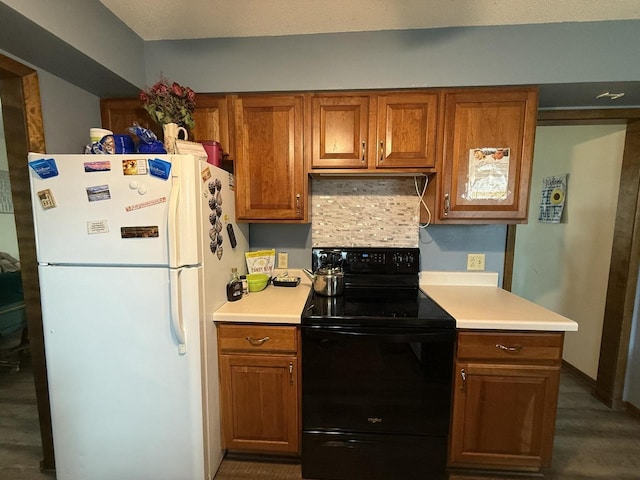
(592, 442)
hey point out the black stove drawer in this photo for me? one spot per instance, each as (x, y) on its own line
(373, 457)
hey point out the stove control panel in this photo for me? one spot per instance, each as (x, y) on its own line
(384, 261)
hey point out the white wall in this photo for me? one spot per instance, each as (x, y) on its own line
(565, 267)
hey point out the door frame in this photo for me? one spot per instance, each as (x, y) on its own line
(625, 254)
(24, 132)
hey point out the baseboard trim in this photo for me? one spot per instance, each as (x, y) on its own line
(261, 457)
(580, 374)
(632, 409)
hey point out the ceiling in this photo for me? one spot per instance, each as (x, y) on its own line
(177, 20)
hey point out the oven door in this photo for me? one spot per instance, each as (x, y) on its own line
(370, 381)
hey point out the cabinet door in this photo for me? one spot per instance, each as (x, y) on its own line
(118, 114)
(260, 402)
(504, 415)
(270, 183)
(407, 130)
(340, 131)
(487, 154)
(211, 118)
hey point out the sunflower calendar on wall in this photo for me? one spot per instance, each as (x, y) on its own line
(554, 191)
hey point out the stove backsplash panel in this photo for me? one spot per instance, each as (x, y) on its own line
(364, 212)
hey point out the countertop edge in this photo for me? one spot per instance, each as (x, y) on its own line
(288, 319)
(493, 308)
(479, 324)
(476, 304)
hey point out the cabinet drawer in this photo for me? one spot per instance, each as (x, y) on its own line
(257, 338)
(512, 347)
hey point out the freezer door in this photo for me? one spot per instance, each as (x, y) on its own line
(116, 209)
(126, 402)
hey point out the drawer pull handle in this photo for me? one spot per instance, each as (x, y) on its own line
(258, 341)
(463, 376)
(291, 373)
(514, 349)
(364, 147)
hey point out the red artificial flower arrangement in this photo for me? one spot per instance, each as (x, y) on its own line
(169, 103)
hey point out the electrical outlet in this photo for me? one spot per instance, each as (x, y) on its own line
(475, 261)
(283, 260)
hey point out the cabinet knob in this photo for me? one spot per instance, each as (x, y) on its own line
(291, 373)
(463, 376)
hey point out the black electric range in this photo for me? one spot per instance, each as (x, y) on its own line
(377, 371)
(381, 288)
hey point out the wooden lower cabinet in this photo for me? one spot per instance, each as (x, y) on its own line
(505, 399)
(259, 388)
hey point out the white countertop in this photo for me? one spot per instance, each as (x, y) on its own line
(472, 298)
(476, 302)
(271, 305)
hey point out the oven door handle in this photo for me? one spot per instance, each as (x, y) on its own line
(390, 335)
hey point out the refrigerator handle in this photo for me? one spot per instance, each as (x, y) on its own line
(172, 227)
(177, 325)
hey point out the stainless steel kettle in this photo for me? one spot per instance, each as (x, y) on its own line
(327, 281)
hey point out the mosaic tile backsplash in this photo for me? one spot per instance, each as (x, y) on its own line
(364, 212)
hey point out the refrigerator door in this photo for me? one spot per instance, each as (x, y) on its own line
(116, 209)
(126, 401)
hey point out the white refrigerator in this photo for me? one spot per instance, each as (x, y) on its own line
(134, 254)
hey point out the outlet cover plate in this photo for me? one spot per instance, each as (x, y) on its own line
(283, 260)
(475, 261)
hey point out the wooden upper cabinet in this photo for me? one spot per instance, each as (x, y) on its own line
(374, 131)
(270, 177)
(211, 118)
(487, 151)
(341, 134)
(118, 114)
(407, 130)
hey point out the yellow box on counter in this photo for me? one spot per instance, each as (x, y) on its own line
(261, 261)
